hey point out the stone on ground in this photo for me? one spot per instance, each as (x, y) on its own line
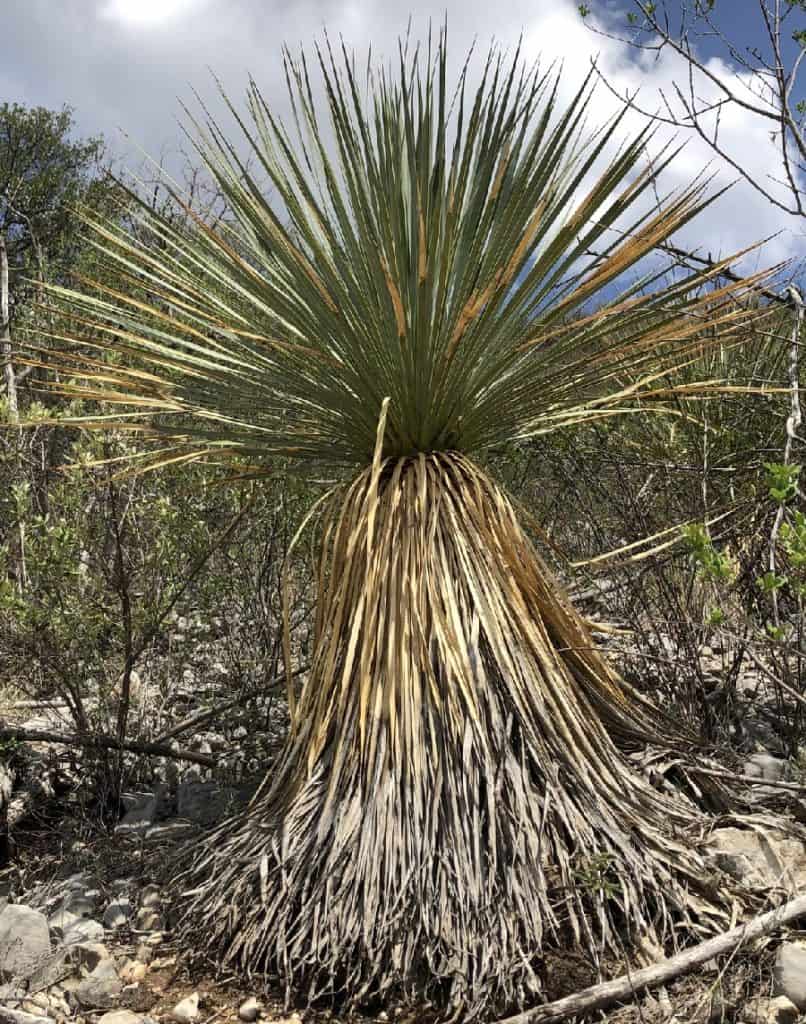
(789, 973)
(24, 941)
(101, 988)
(249, 1010)
(186, 1010)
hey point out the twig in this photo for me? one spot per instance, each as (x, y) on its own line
(625, 987)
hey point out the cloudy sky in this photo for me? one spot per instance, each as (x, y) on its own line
(124, 65)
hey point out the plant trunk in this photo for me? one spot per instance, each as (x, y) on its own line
(5, 335)
(450, 802)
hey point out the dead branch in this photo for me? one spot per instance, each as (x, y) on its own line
(102, 742)
(628, 986)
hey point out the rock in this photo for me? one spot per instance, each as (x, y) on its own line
(133, 972)
(149, 920)
(250, 1009)
(11, 1016)
(144, 953)
(118, 913)
(140, 818)
(121, 1017)
(765, 766)
(779, 1010)
(62, 920)
(88, 954)
(767, 861)
(789, 973)
(79, 903)
(24, 941)
(55, 968)
(240, 733)
(150, 896)
(187, 1010)
(81, 882)
(101, 988)
(29, 1006)
(83, 931)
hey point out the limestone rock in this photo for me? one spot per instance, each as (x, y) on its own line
(789, 973)
(760, 861)
(82, 932)
(149, 920)
(101, 988)
(249, 1010)
(11, 1016)
(62, 920)
(186, 1010)
(24, 941)
(121, 1017)
(765, 766)
(150, 896)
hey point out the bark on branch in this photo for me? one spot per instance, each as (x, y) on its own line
(101, 742)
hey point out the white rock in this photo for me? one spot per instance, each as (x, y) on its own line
(240, 733)
(101, 988)
(186, 1010)
(789, 973)
(249, 1010)
(133, 972)
(89, 954)
(11, 1016)
(121, 1017)
(150, 896)
(770, 862)
(62, 920)
(24, 941)
(83, 931)
(149, 920)
(765, 766)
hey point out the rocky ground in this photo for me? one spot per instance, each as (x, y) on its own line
(86, 914)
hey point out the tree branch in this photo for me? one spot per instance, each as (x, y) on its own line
(628, 986)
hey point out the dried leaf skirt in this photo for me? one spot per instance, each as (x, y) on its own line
(452, 799)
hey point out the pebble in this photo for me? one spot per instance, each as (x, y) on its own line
(186, 1010)
(249, 1010)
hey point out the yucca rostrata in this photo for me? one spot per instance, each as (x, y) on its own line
(410, 292)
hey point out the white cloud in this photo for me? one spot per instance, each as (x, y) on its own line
(147, 12)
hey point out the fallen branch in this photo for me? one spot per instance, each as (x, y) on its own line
(628, 986)
(101, 742)
(752, 780)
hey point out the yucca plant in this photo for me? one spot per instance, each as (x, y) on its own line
(413, 290)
